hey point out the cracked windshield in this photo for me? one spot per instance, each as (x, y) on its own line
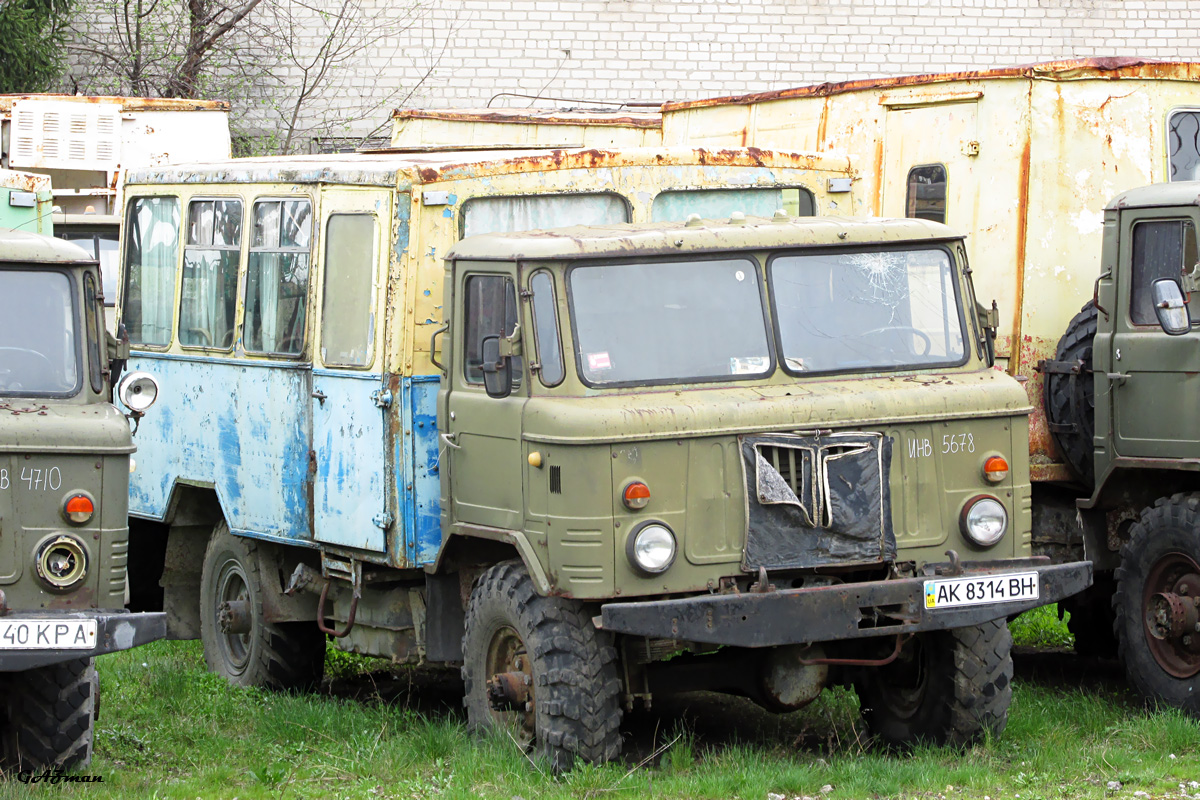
(670, 321)
(38, 351)
(869, 310)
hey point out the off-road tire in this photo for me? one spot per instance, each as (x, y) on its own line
(1070, 400)
(1091, 619)
(286, 656)
(953, 688)
(1171, 525)
(48, 715)
(576, 685)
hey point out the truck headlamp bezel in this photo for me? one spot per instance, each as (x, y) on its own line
(978, 520)
(647, 535)
(60, 561)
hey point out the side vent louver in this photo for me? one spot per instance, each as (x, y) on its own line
(556, 480)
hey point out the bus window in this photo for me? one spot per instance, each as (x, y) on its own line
(677, 206)
(510, 214)
(208, 294)
(347, 318)
(277, 276)
(926, 194)
(151, 259)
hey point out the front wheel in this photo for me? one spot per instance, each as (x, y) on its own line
(946, 688)
(239, 644)
(48, 715)
(1157, 603)
(537, 668)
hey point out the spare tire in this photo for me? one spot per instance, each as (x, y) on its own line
(1071, 397)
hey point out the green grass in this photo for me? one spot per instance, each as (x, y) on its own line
(1041, 627)
(168, 729)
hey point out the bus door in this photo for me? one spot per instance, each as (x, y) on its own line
(350, 501)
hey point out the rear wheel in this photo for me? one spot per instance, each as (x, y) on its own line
(1157, 603)
(537, 668)
(1071, 397)
(239, 644)
(48, 716)
(946, 688)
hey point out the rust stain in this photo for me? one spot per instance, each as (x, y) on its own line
(821, 125)
(1014, 363)
(1032, 349)
(25, 181)
(647, 119)
(877, 201)
(1072, 69)
(126, 103)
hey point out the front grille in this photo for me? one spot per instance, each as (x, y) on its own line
(789, 462)
(556, 480)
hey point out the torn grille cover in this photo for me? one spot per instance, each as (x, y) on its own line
(817, 500)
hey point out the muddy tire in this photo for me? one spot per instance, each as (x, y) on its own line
(1071, 399)
(947, 688)
(286, 656)
(1162, 663)
(549, 646)
(48, 715)
(1091, 620)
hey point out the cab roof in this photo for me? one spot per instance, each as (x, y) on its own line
(1178, 193)
(397, 168)
(696, 235)
(32, 248)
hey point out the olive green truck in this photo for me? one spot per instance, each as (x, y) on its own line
(64, 482)
(758, 455)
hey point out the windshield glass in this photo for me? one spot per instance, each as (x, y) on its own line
(840, 311)
(669, 321)
(39, 348)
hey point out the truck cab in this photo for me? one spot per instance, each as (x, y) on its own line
(64, 482)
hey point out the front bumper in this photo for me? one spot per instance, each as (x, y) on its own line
(838, 612)
(115, 631)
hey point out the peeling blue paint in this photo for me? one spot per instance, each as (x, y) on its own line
(419, 485)
(448, 212)
(403, 214)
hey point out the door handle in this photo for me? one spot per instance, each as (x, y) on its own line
(317, 393)
(449, 438)
(1117, 378)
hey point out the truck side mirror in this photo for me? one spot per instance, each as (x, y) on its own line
(1170, 307)
(497, 369)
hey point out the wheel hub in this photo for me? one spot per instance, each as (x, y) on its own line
(510, 692)
(1171, 603)
(233, 616)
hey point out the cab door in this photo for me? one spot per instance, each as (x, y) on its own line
(1155, 380)
(348, 458)
(484, 433)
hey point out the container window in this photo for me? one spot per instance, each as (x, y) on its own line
(277, 276)
(208, 293)
(545, 324)
(926, 194)
(491, 310)
(1161, 249)
(151, 258)
(95, 330)
(348, 313)
(1183, 145)
(511, 214)
(677, 206)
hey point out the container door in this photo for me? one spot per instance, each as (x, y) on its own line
(348, 461)
(485, 457)
(1155, 377)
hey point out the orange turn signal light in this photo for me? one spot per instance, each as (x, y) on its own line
(79, 508)
(636, 496)
(995, 469)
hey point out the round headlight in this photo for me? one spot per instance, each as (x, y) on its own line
(984, 520)
(61, 562)
(138, 391)
(651, 547)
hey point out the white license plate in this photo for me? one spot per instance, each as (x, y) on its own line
(952, 592)
(47, 634)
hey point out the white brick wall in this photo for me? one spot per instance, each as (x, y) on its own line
(651, 51)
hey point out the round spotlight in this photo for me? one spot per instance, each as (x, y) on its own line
(984, 520)
(651, 548)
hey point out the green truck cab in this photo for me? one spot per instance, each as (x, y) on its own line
(64, 483)
(1120, 399)
(760, 456)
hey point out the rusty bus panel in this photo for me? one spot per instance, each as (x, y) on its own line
(457, 129)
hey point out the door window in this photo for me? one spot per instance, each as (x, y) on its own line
(348, 315)
(490, 310)
(545, 325)
(277, 276)
(208, 293)
(1183, 145)
(151, 258)
(925, 197)
(1161, 249)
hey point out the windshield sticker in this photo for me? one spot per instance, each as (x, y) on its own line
(754, 365)
(598, 361)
